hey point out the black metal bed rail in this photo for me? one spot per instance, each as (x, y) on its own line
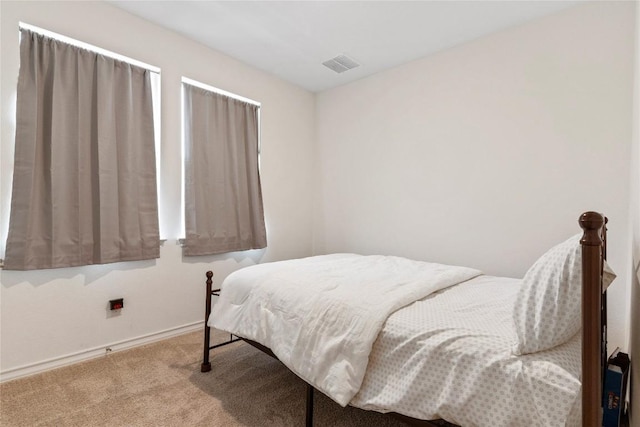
(206, 364)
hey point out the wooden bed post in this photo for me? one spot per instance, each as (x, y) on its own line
(206, 365)
(591, 223)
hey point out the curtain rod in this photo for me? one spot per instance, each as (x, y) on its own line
(205, 86)
(87, 46)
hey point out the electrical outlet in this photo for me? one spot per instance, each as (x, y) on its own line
(116, 304)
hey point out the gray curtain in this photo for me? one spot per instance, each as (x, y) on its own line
(84, 184)
(223, 199)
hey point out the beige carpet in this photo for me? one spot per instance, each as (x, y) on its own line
(161, 385)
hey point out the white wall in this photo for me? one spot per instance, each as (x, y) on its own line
(634, 334)
(486, 154)
(52, 313)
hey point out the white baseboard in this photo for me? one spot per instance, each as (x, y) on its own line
(92, 353)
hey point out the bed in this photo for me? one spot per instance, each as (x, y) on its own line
(433, 341)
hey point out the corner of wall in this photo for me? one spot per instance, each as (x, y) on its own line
(634, 329)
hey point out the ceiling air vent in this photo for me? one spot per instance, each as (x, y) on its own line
(341, 63)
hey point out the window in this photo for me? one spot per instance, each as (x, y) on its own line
(85, 182)
(223, 209)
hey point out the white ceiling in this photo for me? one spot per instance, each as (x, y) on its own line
(291, 39)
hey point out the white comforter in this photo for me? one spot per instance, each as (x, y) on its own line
(321, 315)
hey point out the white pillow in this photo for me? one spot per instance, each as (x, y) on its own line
(547, 311)
(608, 275)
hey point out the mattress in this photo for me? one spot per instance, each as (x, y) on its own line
(449, 356)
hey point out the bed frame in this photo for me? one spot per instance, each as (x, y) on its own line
(594, 327)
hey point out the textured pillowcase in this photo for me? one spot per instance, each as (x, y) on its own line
(548, 307)
(547, 311)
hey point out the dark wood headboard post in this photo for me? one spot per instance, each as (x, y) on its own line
(206, 365)
(591, 223)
